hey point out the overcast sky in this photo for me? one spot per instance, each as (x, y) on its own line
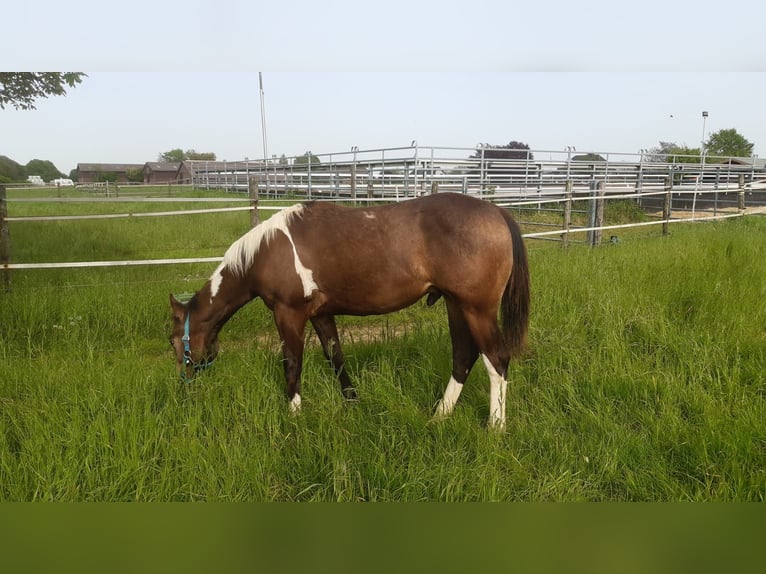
(599, 76)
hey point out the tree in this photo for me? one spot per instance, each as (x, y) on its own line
(671, 152)
(728, 143)
(178, 155)
(10, 171)
(306, 158)
(21, 89)
(174, 155)
(107, 176)
(683, 154)
(43, 168)
(659, 154)
(200, 156)
(135, 175)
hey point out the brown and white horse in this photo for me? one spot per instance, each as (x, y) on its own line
(313, 261)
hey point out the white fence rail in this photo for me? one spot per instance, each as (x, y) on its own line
(518, 174)
(702, 191)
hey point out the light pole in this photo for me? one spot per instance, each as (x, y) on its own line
(702, 146)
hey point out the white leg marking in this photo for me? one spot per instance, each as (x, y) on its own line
(497, 391)
(295, 404)
(451, 394)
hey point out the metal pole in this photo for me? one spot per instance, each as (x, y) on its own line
(252, 186)
(5, 240)
(702, 143)
(263, 131)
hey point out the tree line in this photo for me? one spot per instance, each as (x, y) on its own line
(723, 143)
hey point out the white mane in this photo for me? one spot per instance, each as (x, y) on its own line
(241, 254)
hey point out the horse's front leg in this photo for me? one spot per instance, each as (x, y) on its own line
(327, 331)
(291, 325)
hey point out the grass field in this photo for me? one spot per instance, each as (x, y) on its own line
(645, 380)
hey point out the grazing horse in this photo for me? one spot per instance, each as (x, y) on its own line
(313, 261)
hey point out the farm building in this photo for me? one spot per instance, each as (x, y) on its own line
(754, 162)
(198, 172)
(161, 172)
(94, 172)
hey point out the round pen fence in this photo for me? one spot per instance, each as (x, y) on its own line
(563, 197)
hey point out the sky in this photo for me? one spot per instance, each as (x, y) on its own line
(595, 75)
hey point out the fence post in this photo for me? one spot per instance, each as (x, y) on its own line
(308, 183)
(252, 192)
(596, 213)
(666, 204)
(741, 193)
(599, 220)
(370, 183)
(434, 187)
(353, 182)
(5, 240)
(567, 212)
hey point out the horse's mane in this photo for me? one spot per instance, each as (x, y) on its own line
(241, 254)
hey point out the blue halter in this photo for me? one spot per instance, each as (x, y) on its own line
(187, 350)
(188, 361)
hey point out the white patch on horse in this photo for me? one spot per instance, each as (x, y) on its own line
(497, 391)
(295, 403)
(215, 281)
(240, 256)
(305, 274)
(451, 394)
(369, 215)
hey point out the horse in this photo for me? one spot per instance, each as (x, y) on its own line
(315, 260)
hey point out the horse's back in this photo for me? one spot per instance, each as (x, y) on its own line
(377, 259)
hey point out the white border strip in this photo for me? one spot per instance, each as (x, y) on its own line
(71, 264)
(123, 215)
(128, 215)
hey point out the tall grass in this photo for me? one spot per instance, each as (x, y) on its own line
(644, 382)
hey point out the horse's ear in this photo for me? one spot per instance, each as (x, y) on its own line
(178, 308)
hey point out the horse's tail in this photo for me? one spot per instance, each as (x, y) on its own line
(514, 308)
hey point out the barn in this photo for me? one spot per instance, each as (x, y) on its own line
(95, 172)
(161, 171)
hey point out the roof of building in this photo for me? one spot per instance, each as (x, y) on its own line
(108, 166)
(162, 165)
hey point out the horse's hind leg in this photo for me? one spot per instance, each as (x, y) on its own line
(464, 355)
(328, 336)
(496, 356)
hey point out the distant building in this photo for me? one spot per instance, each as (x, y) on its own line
(161, 171)
(754, 162)
(94, 172)
(200, 172)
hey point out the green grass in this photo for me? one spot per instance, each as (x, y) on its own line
(645, 381)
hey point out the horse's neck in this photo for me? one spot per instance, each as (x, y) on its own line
(217, 309)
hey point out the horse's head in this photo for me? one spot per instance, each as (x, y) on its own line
(195, 342)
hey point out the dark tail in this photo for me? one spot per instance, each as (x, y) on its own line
(514, 308)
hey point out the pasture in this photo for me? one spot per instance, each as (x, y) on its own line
(644, 382)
